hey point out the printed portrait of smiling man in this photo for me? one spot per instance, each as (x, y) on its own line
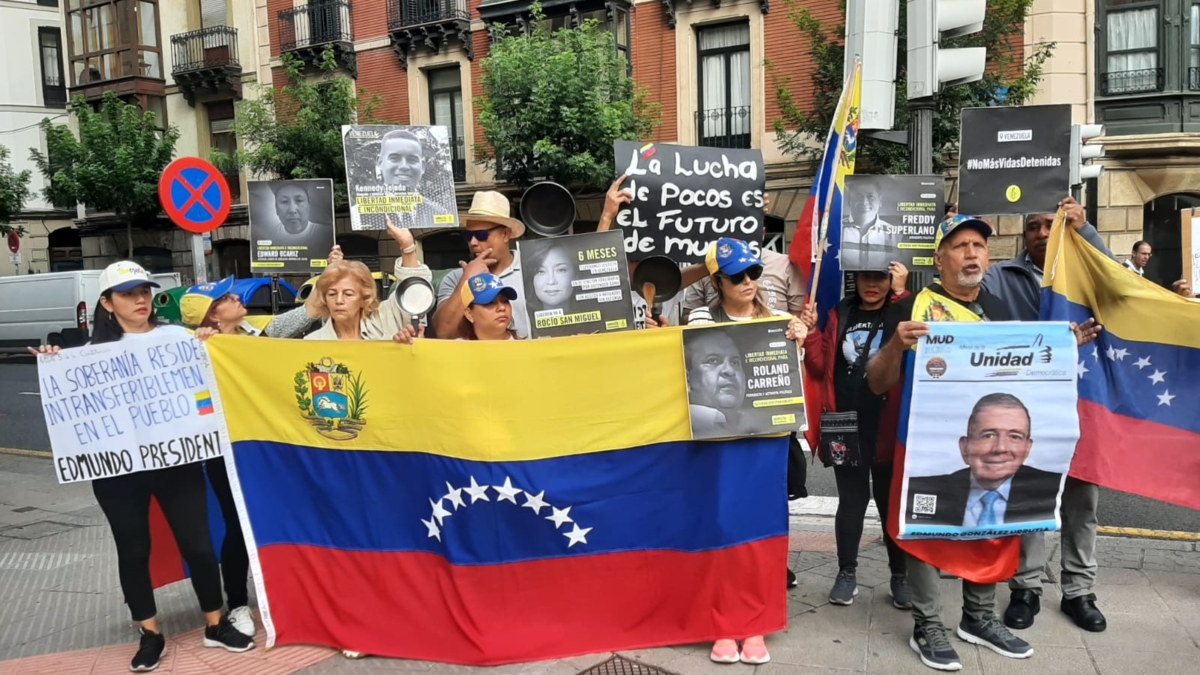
(997, 487)
(402, 164)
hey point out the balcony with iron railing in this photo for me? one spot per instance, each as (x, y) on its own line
(413, 24)
(724, 127)
(308, 30)
(1193, 83)
(206, 60)
(1144, 80)
(54, 91)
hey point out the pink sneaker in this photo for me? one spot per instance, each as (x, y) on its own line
(754, 650)
(724, 651)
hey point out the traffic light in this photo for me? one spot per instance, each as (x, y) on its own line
(1083, 151)
(871, 37)
(930, 22)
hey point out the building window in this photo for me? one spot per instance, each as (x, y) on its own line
(111, 39)
(1194, 49)
(1132, 48)
(221, 137)
(54, 90)
(446, 109)
(723, 116)
(48, 3)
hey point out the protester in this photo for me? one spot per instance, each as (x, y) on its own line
(488, 231)
(836, 358)
(961, 257)
(1182, 287)
(1018, 284)
(735, 271)
(345, 296)
(126, 313)
(1140, 258)
(488, 311)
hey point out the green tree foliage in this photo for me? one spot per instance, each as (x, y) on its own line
(14, 190)
(554, 103)
(1011, 79)
(297, 132)
(114, 164)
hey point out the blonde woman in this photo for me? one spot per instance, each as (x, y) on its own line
(346, 301)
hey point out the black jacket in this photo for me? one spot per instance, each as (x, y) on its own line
(1032, 497)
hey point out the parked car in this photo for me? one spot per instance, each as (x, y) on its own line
(54, 308)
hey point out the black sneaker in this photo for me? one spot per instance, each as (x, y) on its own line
(225, 635)
(792, 582)
(992, 633)
(150, 652)
(845, 587)
(933, 646)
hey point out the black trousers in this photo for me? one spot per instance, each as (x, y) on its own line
(854, 494)
(235, 563)
(183, 496)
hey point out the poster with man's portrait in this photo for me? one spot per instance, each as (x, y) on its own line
(743, 379)
(992, 428)
(889, 219)
(291, 225)
(399, 172)
(576, 285)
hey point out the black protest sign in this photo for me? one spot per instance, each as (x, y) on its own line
(685, 198)
(576, 284)
(1014, 160)
(890, 218)
(743, 379)
(291, 225)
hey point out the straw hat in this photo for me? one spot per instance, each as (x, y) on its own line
(492, 207)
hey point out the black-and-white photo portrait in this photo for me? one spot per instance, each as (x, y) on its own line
(291, 224)
(399, 172)
(889, 219)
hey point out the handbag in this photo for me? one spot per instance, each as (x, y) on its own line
(839, 430)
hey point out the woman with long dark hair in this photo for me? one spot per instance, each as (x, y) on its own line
(837, 358)
(125, 313)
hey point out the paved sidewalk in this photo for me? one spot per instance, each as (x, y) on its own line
(61, 609)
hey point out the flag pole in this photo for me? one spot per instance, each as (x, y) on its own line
(843, 114)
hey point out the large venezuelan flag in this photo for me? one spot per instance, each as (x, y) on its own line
(495, 502)
(1139, 382)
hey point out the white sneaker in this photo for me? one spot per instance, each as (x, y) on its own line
(242, 620)
(352, 655)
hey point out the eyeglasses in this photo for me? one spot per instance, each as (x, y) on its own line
(478, 235)
(736, 279)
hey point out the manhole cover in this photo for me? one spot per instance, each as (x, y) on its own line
(619, 665)
(36, 530)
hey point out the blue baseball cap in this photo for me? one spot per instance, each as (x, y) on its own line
(730, 256)
(483, 289)
(951, 224)
(195, 303)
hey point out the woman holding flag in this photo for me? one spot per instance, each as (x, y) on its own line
(734, 272)
(125, 313)
(836, 358)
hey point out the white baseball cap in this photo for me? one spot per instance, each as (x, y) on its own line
(124, 276)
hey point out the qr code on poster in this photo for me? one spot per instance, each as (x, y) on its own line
(924, 505)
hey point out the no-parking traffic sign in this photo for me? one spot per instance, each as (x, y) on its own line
(194, 195)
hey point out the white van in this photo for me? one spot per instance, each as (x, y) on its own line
(54, 308)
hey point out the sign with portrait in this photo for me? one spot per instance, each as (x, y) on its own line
(399, 172)
(685, 198)
(1014, 160)
(291, 225)
(743, 379)
(890, 218)
(992, 427)
(137, 404)
(576, 284)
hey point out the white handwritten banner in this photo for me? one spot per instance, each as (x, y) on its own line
(685, 198)
(137, 404)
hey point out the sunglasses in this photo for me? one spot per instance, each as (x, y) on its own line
(478, 235)
(736, 279)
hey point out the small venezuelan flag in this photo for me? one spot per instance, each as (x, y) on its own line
(426, 513)
(204, 403)
(648, 151)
